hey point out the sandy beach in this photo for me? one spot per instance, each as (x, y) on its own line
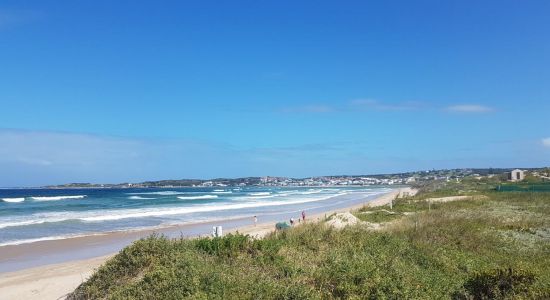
(54, 281)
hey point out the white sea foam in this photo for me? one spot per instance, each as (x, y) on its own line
(13, 200)
(309, 192)
(55, 198)
(218, 190)
(260, 194)
(51, 238)
(288, 193)
(198, 197)
(140, 198)
(258, 197)
(222, 192)
(15, 223)
(28, 241)
(20, 223)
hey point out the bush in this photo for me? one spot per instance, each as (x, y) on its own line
(227, 246)
(497, 284)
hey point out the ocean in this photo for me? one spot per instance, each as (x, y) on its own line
(31, 215)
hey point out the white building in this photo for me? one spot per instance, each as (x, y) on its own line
(516, 175)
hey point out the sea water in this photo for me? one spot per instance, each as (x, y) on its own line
(31, 215)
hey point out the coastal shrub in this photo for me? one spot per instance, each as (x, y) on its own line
(267, 250)
(175, 281)
(497, 284)
(228, 246)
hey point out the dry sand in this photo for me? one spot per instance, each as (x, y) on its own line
(57, 280)
(48, 282)
(455, 198)
(341, 220)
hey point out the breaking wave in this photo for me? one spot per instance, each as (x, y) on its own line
(55, 198)
(140, 198)
(198, 197)
(13, 200)
(260, 194)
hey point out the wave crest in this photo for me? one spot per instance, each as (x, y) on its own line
(13, 200)
(140, 198)
(260, 194)
(198, 197)
(55, 198)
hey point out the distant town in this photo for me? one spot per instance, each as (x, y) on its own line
(407, 178)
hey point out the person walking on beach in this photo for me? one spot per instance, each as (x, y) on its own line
(291, 221)
(303, 216)
(255, 221)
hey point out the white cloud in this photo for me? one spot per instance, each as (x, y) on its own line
(546, 142)
(469, 108)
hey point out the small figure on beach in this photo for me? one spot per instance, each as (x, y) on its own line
(291, 221)
(303, 216)
(255, 221)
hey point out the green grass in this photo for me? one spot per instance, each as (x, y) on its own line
(377, 216)
(498, 247)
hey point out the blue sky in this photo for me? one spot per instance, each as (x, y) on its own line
(113, 91)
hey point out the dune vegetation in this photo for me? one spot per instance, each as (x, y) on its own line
(496, 246)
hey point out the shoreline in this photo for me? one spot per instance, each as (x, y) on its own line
(55, 280)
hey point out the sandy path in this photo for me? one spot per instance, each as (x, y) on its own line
(57, 280)
(455, 198)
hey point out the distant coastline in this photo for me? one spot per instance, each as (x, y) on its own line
(403, 178)
(191, 187)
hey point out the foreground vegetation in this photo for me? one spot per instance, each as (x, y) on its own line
(497, 246)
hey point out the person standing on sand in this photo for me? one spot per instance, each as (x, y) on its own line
(303, 216)
(255, 221)
(291, 221)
